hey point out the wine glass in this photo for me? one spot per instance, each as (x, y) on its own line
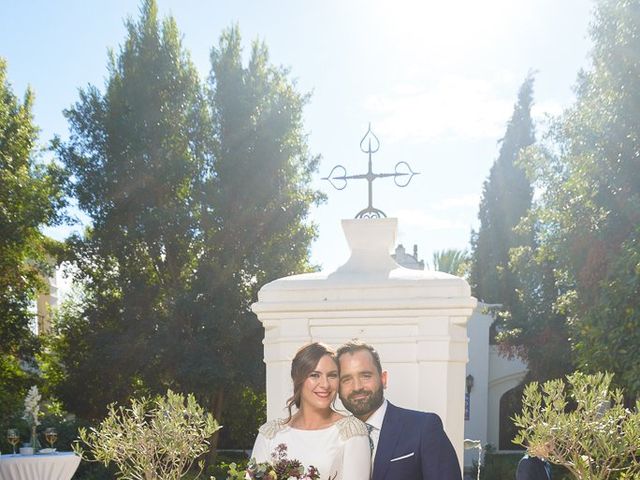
(51, 435)
(13, 437)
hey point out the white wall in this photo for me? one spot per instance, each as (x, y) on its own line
(476, 427)
(493, 375)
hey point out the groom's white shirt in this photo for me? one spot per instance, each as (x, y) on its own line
(375, 420)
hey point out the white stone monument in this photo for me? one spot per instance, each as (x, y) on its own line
(416, 319)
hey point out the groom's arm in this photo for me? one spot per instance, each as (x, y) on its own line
(439, 459)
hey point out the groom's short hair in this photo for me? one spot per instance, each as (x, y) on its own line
(353, 346)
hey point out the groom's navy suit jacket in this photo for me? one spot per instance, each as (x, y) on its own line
(414, 446)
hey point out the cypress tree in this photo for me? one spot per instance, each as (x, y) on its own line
(506, 199)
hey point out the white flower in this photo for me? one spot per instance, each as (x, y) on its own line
(32, 406)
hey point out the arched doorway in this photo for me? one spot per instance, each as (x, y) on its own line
(510, 405)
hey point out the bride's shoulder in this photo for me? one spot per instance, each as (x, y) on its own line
(272, 427)
(350, 426)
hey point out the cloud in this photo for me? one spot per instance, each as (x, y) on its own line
(427, 221)
(455, 107)
(464, 201)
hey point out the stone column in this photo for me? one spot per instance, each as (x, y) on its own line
(416, 319)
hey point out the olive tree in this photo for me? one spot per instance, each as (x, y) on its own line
(582, 425)
(157, 439)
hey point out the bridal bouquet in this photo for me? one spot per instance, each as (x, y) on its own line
(279, 468)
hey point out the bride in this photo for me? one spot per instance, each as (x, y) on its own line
(316, 435)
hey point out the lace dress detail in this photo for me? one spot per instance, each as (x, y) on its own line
(349, 427)
(271, 428)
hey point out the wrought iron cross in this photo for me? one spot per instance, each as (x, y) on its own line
(339, 174)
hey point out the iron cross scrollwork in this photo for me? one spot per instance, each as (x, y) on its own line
(370, 145)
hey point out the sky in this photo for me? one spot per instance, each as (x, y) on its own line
(437, 80)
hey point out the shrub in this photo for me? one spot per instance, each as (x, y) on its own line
(220, 470)
(586, 429)
(157, 439)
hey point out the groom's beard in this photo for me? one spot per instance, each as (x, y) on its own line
(365, 405)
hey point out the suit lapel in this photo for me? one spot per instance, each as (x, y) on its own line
(389, 435)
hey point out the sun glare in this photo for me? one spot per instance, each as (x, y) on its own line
(444, 24)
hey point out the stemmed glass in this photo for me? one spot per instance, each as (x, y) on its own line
(51, 436)
(13, 437)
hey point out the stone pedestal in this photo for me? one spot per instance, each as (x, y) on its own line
(416, 320)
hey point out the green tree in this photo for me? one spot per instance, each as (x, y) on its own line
(536, 331)
(587, 171)
(254, 216)
(506, 198)
(135, 153)
(609, 333)
(508, 268)
(494, 277)
(31, 196)
(198, 195)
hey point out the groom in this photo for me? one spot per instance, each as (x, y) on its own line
(406, 444)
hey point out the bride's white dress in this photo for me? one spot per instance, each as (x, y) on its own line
(339, 452)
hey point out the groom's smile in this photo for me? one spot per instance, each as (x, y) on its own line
(359, 396)
(361, 385)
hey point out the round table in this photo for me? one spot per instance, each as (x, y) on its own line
(50, 466)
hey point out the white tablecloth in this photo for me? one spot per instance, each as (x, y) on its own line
(52, 466)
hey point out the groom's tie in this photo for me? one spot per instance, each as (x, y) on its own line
(370, 429)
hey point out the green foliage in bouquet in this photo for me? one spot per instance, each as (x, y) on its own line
(279, 468)
(586, 429)
(157, 439)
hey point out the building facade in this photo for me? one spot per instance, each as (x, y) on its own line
(489, 376)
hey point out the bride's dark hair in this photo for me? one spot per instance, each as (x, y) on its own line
(305, 362)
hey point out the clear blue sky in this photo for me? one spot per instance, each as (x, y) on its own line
(437, 80)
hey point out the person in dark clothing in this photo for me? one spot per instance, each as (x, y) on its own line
(533, 468)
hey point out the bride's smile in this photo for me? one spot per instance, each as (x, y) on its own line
(320, 387)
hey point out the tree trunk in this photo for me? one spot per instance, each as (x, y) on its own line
(216, 404)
